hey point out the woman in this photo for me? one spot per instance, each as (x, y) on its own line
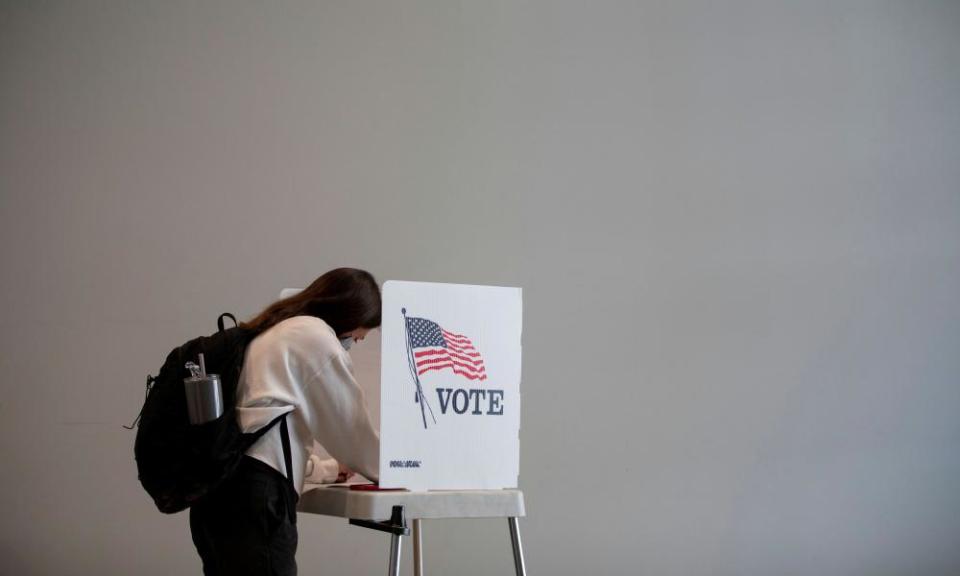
(298, 365)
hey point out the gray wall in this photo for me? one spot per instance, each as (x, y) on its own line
(737, 228)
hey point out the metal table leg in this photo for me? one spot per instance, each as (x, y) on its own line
(517, 547)
(397, 527)
(417, 548)
(395, 546)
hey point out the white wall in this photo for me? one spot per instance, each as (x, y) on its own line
(737, 227)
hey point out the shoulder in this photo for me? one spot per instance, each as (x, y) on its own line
(304, 327)
(303, 330)
(299, 338)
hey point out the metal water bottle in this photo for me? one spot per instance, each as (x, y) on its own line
(204, 394)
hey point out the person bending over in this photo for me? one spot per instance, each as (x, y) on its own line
(297, 365)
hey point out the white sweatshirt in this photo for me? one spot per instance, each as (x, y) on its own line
(299, 367)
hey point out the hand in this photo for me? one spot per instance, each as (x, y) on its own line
(344, 473)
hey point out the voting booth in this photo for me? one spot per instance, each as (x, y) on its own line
(450, 386)
(449, 416)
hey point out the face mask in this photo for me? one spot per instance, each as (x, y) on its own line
(346, 343)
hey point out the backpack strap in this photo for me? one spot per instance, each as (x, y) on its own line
(291, 499)
(285, 439)
(150, 381)
(227, 315)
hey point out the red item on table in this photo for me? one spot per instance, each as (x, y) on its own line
(373, 488)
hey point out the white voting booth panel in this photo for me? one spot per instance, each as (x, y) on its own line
(450, 386)
(450, 415)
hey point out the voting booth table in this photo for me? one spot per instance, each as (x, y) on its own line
(450, 417)
(390, 511)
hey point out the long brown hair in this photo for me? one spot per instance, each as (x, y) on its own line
(344, 298)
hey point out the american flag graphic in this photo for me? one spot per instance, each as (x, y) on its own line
(435, 349)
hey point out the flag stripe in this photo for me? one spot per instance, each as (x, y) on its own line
(468, 375)
(467, 349)
(458, 337)
(441, 356)
(477, 363)
(432, 361)
(455, 363)
(428, 351)
(463, 349)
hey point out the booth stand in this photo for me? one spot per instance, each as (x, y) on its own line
(389, 510)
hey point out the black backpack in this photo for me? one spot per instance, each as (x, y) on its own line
(179, 463)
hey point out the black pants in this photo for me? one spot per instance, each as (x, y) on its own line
(248, 526)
